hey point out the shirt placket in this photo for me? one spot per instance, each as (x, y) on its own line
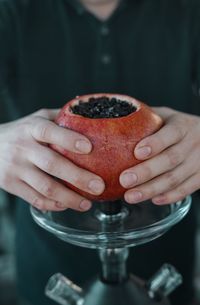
(105, 67)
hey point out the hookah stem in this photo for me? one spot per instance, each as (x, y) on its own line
(113, 260)
(114, 269)
(111, 207)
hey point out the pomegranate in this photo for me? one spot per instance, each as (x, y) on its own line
(113, 137)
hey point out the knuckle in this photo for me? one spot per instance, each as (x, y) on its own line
(18, 141)
(38, 203)
(151, 192)
(174, 158)
(12, 152)
(157, 141)
(178, 131)
(13, 157)
(71, 204)
(42, 112)
(78, 181)
(48, 190)
(23, 126)
(41, 131)
(78, 176)
(49, 165)
(182, 192)
(147, 173)
(57, 205)
(165, 109)
(172, 180)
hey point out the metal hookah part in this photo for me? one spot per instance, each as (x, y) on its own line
(111, 207)
(108, 214)
(131, 290)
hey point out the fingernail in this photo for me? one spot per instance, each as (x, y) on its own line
(96, 186)
(134, 197)
(143, 152)
(83, 146)
(128, 179)
(85, 205)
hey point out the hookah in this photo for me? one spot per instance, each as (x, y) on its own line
(112, 227)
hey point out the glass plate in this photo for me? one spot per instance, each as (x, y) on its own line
(137, 224)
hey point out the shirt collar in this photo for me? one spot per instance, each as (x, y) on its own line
(80, 9)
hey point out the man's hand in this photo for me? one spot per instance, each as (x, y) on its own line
(171, 169)
(28, 166)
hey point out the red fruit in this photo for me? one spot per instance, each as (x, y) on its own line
(113, 140)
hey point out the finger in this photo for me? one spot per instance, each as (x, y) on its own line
(161, 184)
(164, 112)
(149, 169)
(46, 131)
(58, 166)
(49, 114)
(31, 196)
(53, 190)
(167, 136)
(188, 187)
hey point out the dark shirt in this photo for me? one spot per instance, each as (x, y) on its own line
(53, 50)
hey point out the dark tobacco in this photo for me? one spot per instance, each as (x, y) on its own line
(103, 107)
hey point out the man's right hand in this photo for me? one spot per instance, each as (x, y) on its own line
(28, 166)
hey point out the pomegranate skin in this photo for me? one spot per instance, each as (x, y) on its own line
(113, 141)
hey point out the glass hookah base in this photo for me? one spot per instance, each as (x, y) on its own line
(135, 224)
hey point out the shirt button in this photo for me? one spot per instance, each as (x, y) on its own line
(104, 30)
(106, 59)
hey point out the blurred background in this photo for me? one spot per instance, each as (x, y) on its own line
(8, 293)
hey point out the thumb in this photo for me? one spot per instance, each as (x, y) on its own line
(164, 112)
(49, 114)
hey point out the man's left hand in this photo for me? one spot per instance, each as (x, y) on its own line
(171, 161)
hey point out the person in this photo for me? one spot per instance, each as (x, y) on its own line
(51, 51)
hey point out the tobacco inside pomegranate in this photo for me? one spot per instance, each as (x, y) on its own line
(103, 107)
(114, 124)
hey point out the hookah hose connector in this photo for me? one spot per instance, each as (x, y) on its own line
(164, 282)
(63, 291)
